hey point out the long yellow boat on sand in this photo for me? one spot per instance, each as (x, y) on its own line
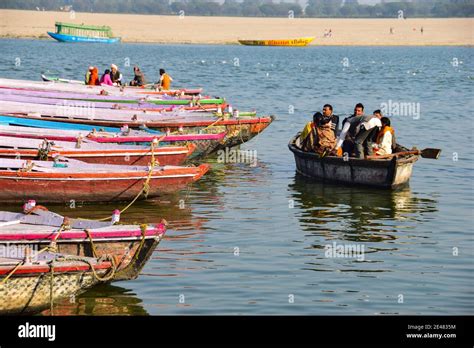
(298, 42)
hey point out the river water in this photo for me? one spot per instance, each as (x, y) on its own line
(250, 239)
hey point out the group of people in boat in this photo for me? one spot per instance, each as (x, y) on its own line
(361, 135)
(113, 77)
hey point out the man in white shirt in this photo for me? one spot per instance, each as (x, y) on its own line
(362, 128)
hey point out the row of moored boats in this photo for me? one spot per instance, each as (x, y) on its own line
(66, 142)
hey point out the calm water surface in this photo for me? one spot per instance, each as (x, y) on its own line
(250, 240)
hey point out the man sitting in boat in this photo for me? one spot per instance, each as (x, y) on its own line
(139, 78)
(386, 142)
(318, 136)
(115, 75)
(105, 80)
(357, 132)
(328, 112)
(165, 81)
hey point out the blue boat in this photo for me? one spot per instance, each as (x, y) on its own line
(66, 32)
(26, 122)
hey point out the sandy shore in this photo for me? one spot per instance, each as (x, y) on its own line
(227, 30)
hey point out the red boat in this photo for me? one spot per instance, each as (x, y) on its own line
(77, 181)
(91, 152)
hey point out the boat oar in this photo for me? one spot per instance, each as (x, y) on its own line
(425, 153)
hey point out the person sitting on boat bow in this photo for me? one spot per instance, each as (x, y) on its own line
(318, 136)
(386, 142)
(139, 78)
(94, 77)
(105, 80)
(165, 81)
(88, 75)
(115, 75)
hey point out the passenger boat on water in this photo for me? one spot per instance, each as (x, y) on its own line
(69, 32)
(385, 172)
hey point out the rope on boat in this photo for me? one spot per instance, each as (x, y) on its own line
(143, 228)
(94, 250)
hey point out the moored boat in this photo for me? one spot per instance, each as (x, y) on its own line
(383, 173)
(34, 281)
(73, 180)
(129, 245)
(297, 42)
(69, 32)
(92, 152)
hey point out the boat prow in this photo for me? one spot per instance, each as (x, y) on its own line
(383, 173)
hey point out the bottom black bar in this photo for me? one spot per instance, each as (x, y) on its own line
(195, 330)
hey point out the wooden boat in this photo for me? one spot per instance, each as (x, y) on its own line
(238, 129)
(29, 284)
(68, 32)
(92, 152)
(146, 102)
(298, 42)
(383, 173)
(72, 180)
(147, 89)
(130, 245)
(203, 144)
(85, 101)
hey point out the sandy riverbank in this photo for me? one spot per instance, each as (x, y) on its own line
(227, 30)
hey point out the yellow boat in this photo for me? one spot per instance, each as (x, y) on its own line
(299, 42)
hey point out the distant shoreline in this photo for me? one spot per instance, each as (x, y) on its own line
(134, 28)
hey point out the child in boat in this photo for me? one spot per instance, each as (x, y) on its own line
(139, 78)
(115, 75)
(318, 136)
(165, 80)
(386, 142)
(105, 80)
(94, 77)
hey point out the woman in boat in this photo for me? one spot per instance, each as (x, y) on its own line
(318, 136)
(105, 80)
(139, 78)
(115, 75)
(94, 77)
(386, 142)
(165, 80)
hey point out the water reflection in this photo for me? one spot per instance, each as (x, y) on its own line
(360, 214)
(104, 299)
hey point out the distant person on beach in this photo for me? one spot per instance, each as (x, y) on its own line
(330, 33)
(115, 75)
(421, 30)
(139, 78)
(391, 30)
(325, 33)
(105, 79)
(165, 80)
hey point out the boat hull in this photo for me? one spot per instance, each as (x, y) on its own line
(74, 38)
(384, 173)
(18, 186)
(163, 155)
(299, 42)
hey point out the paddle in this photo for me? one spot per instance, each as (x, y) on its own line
(425, 153)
